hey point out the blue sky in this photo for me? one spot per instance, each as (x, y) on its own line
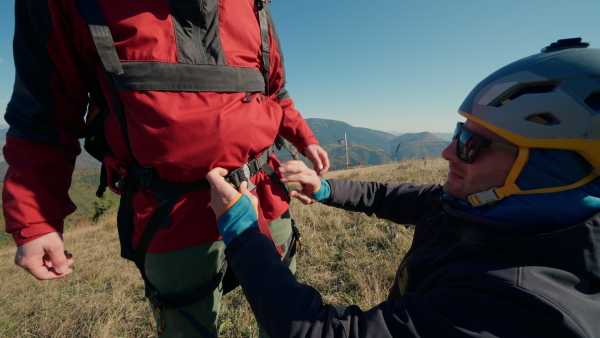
(395, 65)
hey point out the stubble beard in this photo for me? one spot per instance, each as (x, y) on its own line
(473, 185)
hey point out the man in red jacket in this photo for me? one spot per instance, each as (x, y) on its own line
(187, 87)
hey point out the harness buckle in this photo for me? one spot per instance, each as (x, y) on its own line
(484, 197)
(248, 177)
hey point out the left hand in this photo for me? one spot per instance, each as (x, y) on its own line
(318, 157)
(298, 172)
(221, 192)
(235, 213)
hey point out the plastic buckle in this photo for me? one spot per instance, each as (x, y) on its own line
(247, 177)
(234, 178)
(484, 197)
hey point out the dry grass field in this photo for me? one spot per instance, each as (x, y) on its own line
(349, 257)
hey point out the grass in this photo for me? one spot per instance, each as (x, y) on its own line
(349, 257)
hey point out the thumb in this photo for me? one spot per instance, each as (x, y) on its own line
(216, 177)
(59, 260)
(243, 188)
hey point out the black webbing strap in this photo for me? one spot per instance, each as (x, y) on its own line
(199, 327)
(160, 219)
(92, 13)
(264, 37)
(245, 172)
(144, 177)
(280, 142)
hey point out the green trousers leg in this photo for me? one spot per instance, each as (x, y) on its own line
(186, 269)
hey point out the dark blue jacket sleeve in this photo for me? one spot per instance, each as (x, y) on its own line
(403, 204)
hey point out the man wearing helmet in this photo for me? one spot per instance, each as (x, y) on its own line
(509, 246)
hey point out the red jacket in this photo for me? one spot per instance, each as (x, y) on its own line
(179, 120)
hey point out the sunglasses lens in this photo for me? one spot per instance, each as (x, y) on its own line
(466, 146)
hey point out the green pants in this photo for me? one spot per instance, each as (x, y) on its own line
(186, 269)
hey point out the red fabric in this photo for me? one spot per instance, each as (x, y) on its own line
(181, 134)
(34, 197)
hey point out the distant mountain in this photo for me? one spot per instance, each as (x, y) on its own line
(331, 132)
(416, 145)
(445, 136)
(368, 146)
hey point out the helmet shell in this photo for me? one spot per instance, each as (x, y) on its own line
(547, 100)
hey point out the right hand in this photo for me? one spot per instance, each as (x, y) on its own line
(300, 173)
(45, 257)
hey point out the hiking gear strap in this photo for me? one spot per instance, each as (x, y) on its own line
(281, 142)
(264, 37)
(101, 34)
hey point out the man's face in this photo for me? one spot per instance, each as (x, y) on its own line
(490, 168)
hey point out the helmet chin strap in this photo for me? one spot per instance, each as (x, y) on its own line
(510, 187)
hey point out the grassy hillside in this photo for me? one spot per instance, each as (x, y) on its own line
(349, 257)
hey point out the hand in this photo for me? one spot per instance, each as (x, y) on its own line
(318, 157)
(45, 257)
(221, 192)
(235, 213)
(300, 173)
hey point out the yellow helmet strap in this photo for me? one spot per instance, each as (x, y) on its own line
(510, 187)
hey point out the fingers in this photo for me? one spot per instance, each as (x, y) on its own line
(221, 192)
(244, 190)
(301, 196)
(319, 158)
(300, 173)
(57, 265)
(295, 167)
(216, 177)
(45, 257)
(325, 161)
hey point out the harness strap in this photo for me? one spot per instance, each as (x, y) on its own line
(264, 36)
(103, 40)
(281, 142)
(144, 177)
(160, 219)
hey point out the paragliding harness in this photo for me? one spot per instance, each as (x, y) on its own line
(124, 180)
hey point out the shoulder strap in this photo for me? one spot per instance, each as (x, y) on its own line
(264, 37)
(92, 13)
(103, 40)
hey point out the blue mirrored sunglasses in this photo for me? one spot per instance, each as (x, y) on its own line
(469, 143)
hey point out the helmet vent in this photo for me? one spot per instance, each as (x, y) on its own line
(593, 101)
(523, 90)
(545, 118)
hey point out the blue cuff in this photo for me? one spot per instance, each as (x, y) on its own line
(238, 218)
(324, 193)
